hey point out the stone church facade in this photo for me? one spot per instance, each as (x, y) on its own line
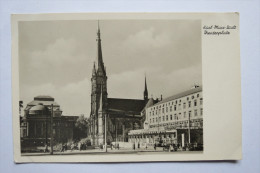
(122, 115)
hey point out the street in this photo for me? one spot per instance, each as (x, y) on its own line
(109, 151)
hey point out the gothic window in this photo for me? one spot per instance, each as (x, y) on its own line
(201, 101)
(170, 117)
(189, 104)
(195, 102)
(166, 117)
(163, 118)
(170, 108)
(201, 111)
(166, 109)
(175, 107)
(184, 105)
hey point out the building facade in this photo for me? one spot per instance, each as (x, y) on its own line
(35, 125)
(117, 115)
(175, 120)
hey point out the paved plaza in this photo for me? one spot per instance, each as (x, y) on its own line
(159, 150)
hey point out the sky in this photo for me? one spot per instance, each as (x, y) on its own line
(56, 59)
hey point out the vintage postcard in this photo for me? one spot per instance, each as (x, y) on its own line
(126, 87)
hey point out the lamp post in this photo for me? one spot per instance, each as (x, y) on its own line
(189, 127)
(158, 127)
(51, 141)
(46, 129)
(106, 132)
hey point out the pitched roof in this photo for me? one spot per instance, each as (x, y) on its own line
(182, 94)
(126, 105)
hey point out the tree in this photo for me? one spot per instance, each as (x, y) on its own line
(82, 125)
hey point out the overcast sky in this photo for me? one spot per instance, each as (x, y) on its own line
(56, 58)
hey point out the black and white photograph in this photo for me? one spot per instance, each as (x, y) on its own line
(125, 86)
(114, 87)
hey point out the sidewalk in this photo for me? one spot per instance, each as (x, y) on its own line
(109, 151)
(93, 151)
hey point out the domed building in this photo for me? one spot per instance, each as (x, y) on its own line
(36, 123)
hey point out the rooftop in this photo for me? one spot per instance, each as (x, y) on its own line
(126, 105)
(44, 98)
(182, 94)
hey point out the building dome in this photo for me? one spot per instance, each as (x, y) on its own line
(39, 109)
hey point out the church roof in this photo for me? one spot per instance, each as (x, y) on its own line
(134, 106)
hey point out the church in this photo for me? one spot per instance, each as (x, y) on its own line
(117, 115)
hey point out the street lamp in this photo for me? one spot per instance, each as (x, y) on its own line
(189, 127)
(106, 132)
(51, 141)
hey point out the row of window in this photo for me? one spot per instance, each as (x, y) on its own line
(176, 116)
(175, 107)
(197, 123)
(174, 102)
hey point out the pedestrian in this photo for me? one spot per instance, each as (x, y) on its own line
(79, 146)
(65, 146)
(138, 145)
(134, 146)
(72, 147)
(170, 148)
(155, 147)
(118, 146)
(146, 146)
(62, 148)
(46, 148)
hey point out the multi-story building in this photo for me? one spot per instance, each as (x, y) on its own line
(177, 119)
(35, 125)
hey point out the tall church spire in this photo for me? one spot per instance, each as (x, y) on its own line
(100, 67)
(94, 70)
(145, 89)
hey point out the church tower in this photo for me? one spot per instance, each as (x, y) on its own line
(145, 90)
(98, 92)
